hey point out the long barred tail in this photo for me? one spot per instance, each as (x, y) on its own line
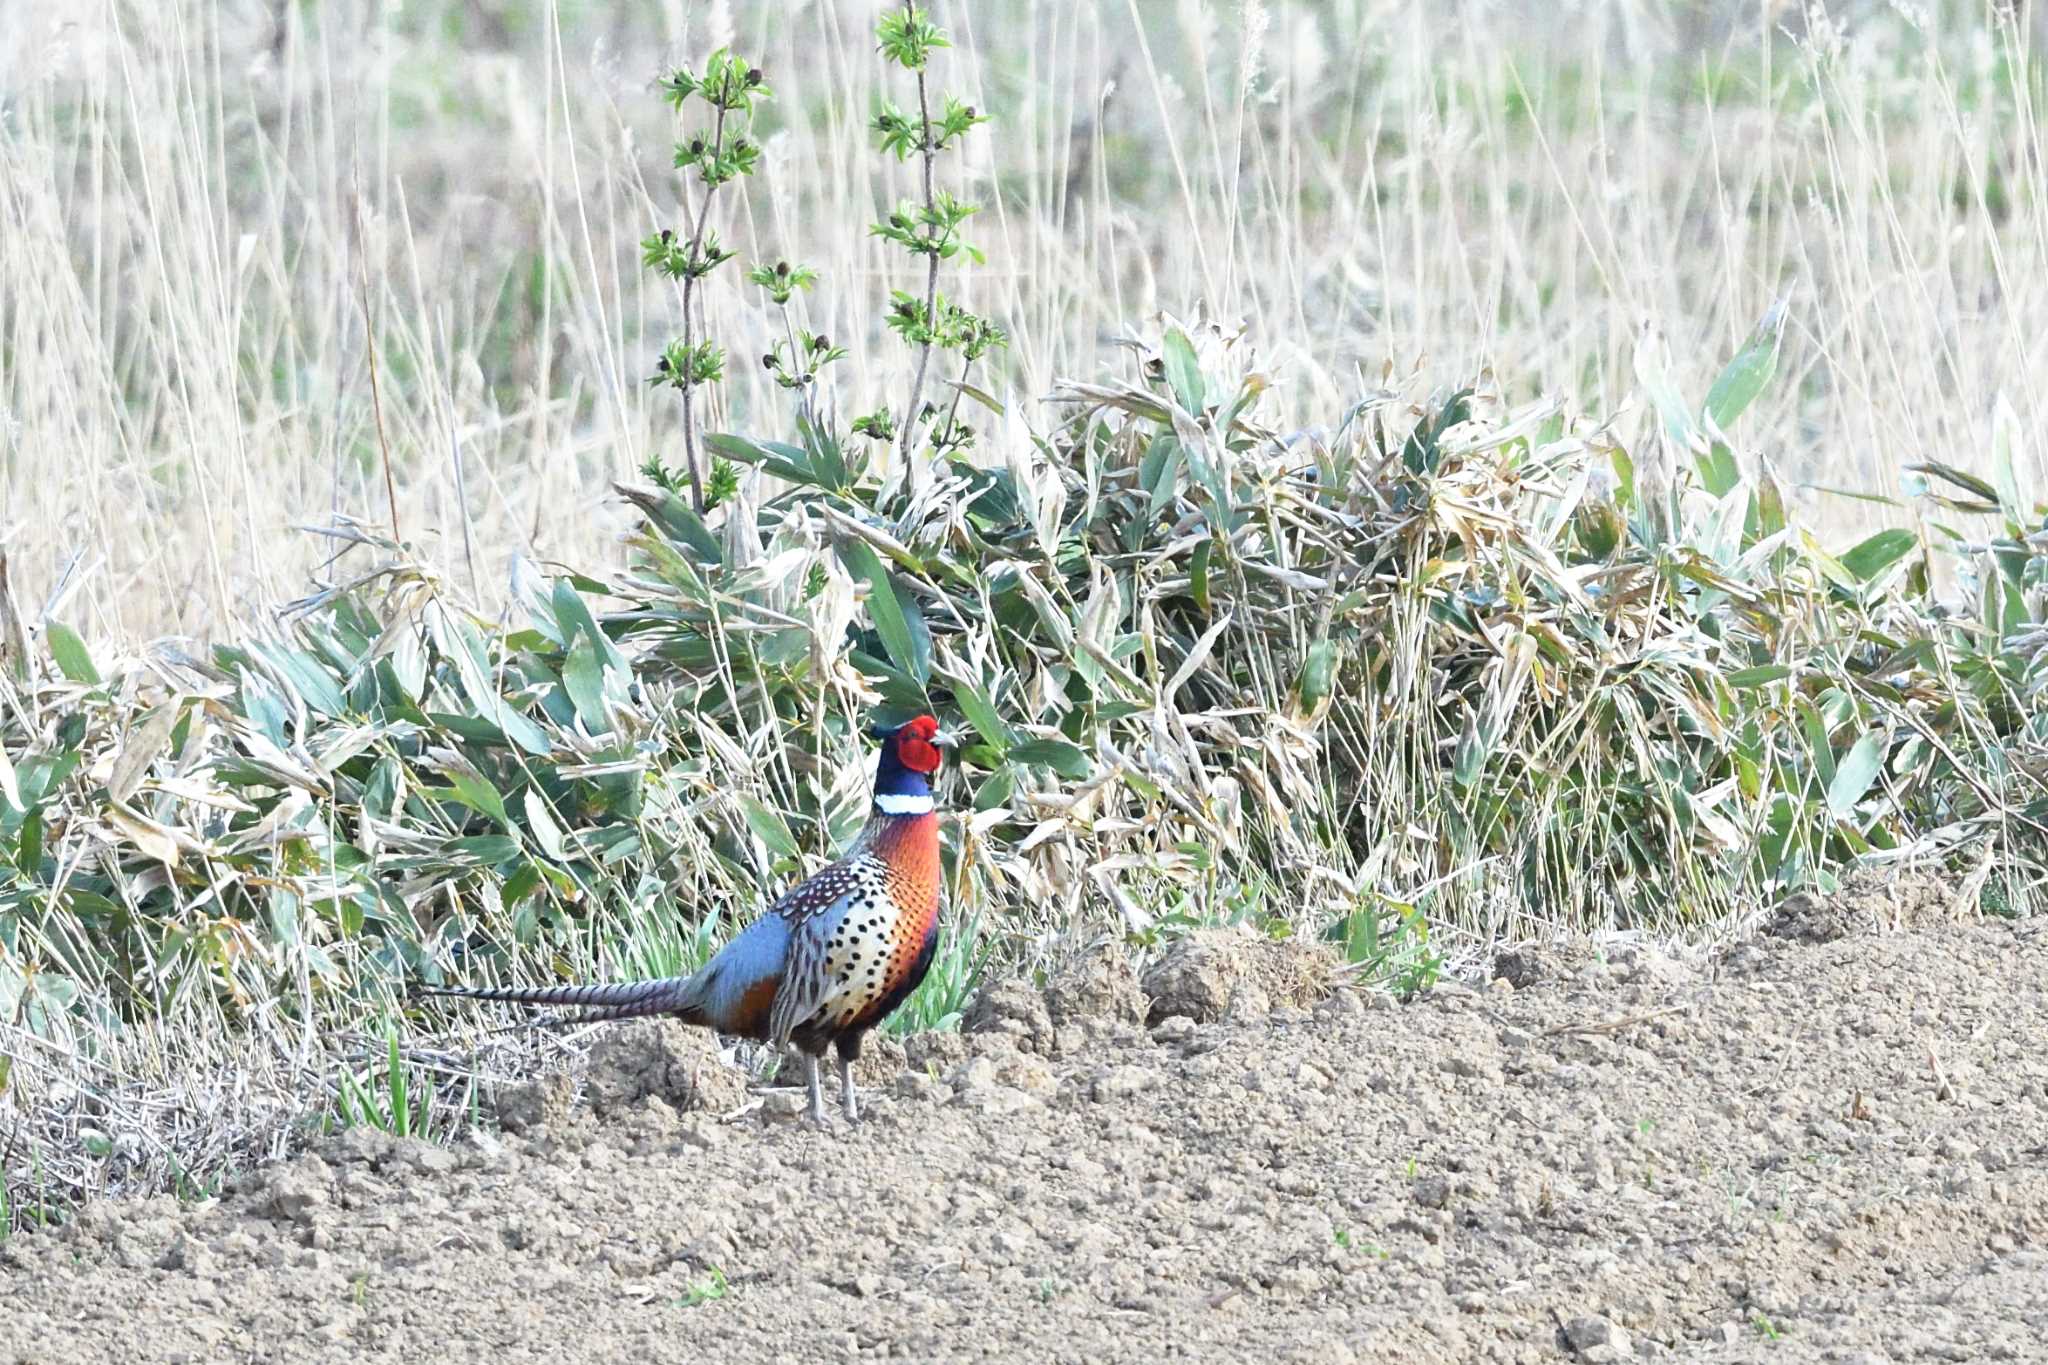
(629, 1000)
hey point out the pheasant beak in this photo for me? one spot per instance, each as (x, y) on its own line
(949, 739)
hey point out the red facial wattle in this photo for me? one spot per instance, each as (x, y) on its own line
(914, 747)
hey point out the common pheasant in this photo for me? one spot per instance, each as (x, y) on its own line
(831, 959)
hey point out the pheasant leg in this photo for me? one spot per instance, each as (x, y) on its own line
(817, 1114)
(847, 1104)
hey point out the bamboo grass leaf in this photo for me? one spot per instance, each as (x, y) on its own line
(1184, 371)
(70, 655)
(1879, 552)
(770, 828)
(1853, 776)
(897, 619)
(1068, 760)
(1745, 376)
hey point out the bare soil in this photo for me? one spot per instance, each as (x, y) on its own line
(1818, 1146)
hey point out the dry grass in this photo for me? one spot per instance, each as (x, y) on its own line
(201, 204)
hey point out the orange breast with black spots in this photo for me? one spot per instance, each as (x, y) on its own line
(909, 848)
(882, 941)
(912, 856)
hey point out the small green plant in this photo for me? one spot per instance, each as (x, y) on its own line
(707, 1289)
(929, 231)
(188, 1188)
(1389, 940)
(39, 1212)
(729, 87)
(1347, 1241)
(941, 999)
(1767, 1329)
(797, 359)
(391, 1097)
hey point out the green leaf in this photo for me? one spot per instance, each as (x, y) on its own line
(1874, 555)
(461, 643)
(1184, 371)
(573, 612)
(1760, 675)
(1815, 728)
(470, 789)
(70, 654)
(1624, 476)
(1854, 774)
(784, 462)
(1751, 369)
(1142, 785)
(1318, 671)
(1198, 574)
(1471, 752)
(583, 679)
(677, 522)
(313, 683)
(28, 848)
(1653, 373)
(1767, 506)
(546, 832)
(2007, 459)
(982, 715)
(1206, 464)
(1719, 473)
(488, 849)
(770, 828)
(1066, 759)
(264, 705)
(997, 790)
(284, 918)
(1985, 497)
(909, 644)
(1163, 481)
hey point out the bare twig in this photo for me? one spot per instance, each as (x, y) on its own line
(370, 344)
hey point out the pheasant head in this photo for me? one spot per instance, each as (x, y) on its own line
(910, 759)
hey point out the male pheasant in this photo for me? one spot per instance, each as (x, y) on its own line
(828, 961)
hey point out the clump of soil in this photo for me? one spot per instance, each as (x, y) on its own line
(662, 1060)
(1099, 988)
(1096, 992)
(1523, 966)
(1870, 900)
(547, 1101)
(1012, 1006)
(882, 1060)
(1217, 972)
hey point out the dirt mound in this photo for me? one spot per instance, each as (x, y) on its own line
(633, 1067)
(1836, 1156)
(1215, 971)
(1100, 988)
(1870, 901)
(1013, 1007)
(1098, 992)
